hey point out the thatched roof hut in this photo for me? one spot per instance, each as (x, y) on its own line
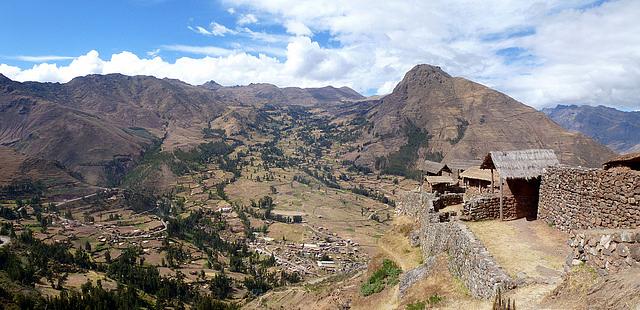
(476, 173)
(464, 164)
(437, 179)
(522, 164)
(631, 160)
(434, 168)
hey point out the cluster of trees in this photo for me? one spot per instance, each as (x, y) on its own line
(355, 168)
(361, 190)
(22, 188)
(325, 177)
(400, 162)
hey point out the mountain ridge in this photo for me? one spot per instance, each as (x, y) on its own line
(614, 128)
(465, 120)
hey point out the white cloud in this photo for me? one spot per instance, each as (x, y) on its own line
(572, 51)
(297, 28)
(247, 19)
(198, 50)
(542, 53)
(40, 58)
(231, 11)
(215, 29)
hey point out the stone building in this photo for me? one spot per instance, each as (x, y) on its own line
(626, 162)
(519, 178)
(585, 198)
(459, 166)
(434, 168)
(477, 181)
(440, 184)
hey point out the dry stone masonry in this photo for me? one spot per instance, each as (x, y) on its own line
(469, 260)
(580, 198)
(607, 250)
(487, 207)
(440, 233)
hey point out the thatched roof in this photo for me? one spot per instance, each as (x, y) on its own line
(438, 179)
(464, 164)
(631, 160)
(476, 173)
(522, 164)
(433, 167)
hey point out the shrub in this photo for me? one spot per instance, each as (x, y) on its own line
(387, 275)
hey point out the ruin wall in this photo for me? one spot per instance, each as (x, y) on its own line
(469, 260)
(606, 250)
(488, 208)
(580, 198)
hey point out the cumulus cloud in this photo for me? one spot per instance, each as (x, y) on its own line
(542, 53)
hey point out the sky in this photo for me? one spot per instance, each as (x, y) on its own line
(541, 53)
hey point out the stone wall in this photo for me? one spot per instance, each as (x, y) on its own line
(488, 208)
(607, 250)
(580, 198)
(412, 205)
(469, 260)
(448, 199)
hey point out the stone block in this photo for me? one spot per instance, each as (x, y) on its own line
(605, 241)
(626, 236)
(622, 250)
(634, 251)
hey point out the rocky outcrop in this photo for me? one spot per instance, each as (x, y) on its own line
(579, 198)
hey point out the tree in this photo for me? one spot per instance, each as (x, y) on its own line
(220, 286)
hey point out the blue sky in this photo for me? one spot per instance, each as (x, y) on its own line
(540, 52)
(139, 26)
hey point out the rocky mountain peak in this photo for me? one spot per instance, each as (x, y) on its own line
(422, 76)
(213, 85)
(4, 79)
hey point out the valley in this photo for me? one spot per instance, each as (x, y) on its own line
(159, 194)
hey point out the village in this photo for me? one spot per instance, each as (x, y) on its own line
(530, 218)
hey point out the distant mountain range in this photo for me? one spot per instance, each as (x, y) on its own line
(619, 130)
(95, 128)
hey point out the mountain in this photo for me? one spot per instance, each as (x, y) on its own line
(98, 126)
(619, 130)
(432, 115)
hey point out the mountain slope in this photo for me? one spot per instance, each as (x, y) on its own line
(98, 124)
(444, 117)
(618, 130)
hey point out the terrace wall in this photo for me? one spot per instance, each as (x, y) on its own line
(581, 198)
(469, 260)
(607, 250)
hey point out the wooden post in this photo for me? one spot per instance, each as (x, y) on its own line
(421, 190)
(492, 188)
(501, 198)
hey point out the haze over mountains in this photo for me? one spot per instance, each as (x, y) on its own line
(97, 126)
(619, 130)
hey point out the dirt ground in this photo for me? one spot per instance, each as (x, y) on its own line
(525, 246)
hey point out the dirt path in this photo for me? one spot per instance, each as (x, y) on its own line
(524, 246)
(396, 246)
